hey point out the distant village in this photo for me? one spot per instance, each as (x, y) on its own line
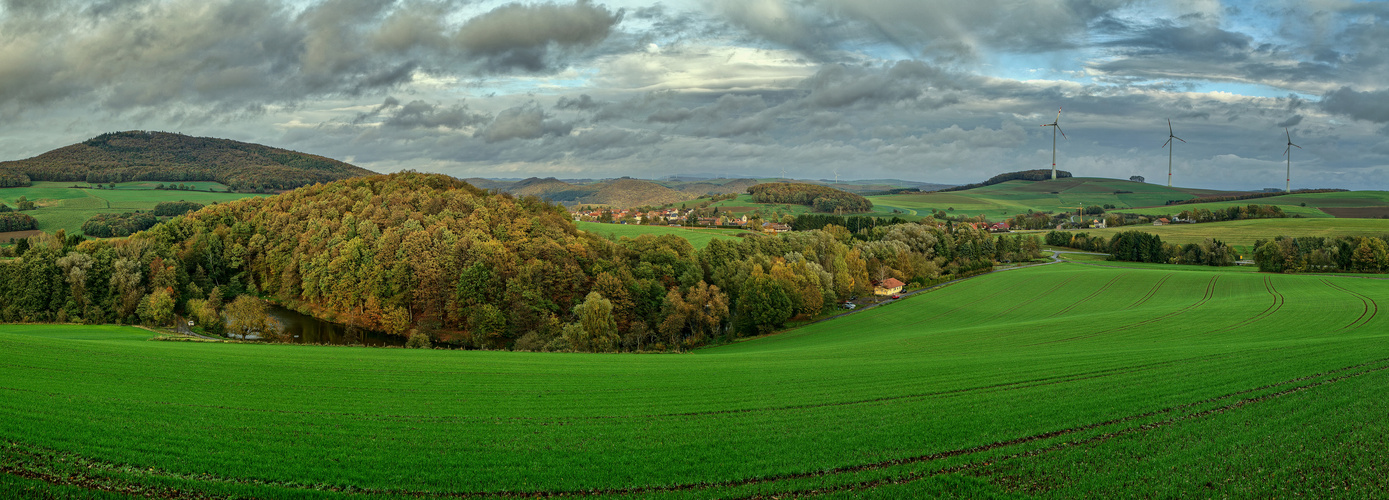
(678, 217)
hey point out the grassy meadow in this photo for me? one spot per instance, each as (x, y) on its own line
(61, 206)
(1242, 234)
(1004, 200)
(698, 237)
(1304, 205)
(1059, 381)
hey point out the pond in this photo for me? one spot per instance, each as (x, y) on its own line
(310, 330)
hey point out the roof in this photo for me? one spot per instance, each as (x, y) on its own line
(891, 283)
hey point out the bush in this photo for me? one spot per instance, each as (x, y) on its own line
(419, 340)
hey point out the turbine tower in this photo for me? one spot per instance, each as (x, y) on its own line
(1057, 128)
(1287, 188)
(1170, 136)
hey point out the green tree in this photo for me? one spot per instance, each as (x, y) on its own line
(763, 305)
(159, 308)
(599, 327)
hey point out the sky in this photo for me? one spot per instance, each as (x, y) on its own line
(922, 90)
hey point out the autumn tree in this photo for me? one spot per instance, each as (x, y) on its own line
(247, 316)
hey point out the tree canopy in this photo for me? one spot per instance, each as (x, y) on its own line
(820, 198)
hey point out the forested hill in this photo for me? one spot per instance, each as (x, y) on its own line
(161, 156)
(820, 198)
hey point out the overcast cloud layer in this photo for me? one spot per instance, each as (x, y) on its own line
(935, 91)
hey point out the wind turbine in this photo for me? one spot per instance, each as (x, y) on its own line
(1056, 123)
(1287, 188)
(1170, 136)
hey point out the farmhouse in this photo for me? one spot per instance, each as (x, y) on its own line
(888, 286)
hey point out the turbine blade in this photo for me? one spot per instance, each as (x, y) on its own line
(1290, 135)
(1294, 145)
(1058, 113)
(1178, 138)
(1169, 127)
(1063, 133)
(1285, 151)
(1165, 143)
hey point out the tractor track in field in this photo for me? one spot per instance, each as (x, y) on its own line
(1152, 292)
(916, 476)
(1210, 293)
(1027, 302)
(1088, 297)
(1371, 307)
(1005, 386)
(1278, 301)
(1328, 377)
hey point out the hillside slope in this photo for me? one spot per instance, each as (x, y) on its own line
(1005, 199)
(624, 192)
(162, 156)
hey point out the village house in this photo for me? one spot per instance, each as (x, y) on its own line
(775, 227)
(888, 286)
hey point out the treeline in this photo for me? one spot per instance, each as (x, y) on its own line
(1251, 196)
(118, 225)
(1138, 246)
(819, 198)
(1350, 254)
(1021, 175)
(9, 178)
(430, 255)
(175, 208)
(1234, 213)
(159, 156)
(14, 221)
(855, 225)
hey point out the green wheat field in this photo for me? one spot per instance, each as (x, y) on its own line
(1079, 379)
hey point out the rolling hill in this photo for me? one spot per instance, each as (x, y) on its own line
(1005, 199)
(624, 192)
(161, 156)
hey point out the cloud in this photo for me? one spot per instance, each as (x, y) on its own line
(1372, 106)
(218, 55)
(936, 28)
(522, 37)
(527, 122)
(420, 114)
(1292, 121)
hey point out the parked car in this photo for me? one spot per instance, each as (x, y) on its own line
(849, 305)
(896, 296)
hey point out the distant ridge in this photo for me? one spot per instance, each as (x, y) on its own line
(164, 156)
(624, 192)
(1021, 175)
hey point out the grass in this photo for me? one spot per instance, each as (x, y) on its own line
(1243, 233)
(1059, 381)
(698, 237)
(61, 206)
(1001, 201)
(1306, 205)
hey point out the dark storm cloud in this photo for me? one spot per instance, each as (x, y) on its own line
(517, 36)
(1372, 106)
(420, 114)
(147, 56)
